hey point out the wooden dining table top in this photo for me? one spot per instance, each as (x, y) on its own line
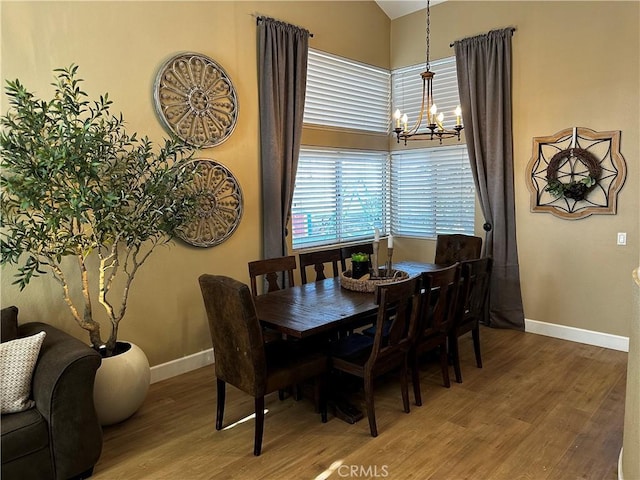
(320, 307)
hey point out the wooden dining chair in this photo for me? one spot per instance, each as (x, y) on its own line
(272, 269)
(317, 259)
(346, 252)
(470, 308)
(456, 248)
(241, 357)
(369, 357)
(438, 303)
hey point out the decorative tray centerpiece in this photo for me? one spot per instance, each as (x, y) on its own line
(368, 282)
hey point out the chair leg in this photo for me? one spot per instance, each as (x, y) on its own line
(415, 379)
(404, 386)
(321, 396)
(371, 411)
(455, 355)
(476, 345)
(220, 408)
(257, 444)
(444, 364)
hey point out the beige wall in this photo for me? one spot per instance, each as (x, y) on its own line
(119, 46)
(565, 74)
(574, 64)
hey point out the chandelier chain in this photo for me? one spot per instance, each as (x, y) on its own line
(428, 25)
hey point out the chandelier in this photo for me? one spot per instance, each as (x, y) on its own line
(428, 111)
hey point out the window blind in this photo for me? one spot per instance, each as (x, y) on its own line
(432, 192)
(347, 94)
(407, 89)
(340, 196)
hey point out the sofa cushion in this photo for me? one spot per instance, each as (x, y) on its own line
(9, 327)
(17, 360)
(23, 433)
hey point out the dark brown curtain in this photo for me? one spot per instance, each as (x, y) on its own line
(282, 77)
(484, 80)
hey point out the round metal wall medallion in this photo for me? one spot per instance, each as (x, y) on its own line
(195, 100)
(218, 205)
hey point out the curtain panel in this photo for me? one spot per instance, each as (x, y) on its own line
(484, 80)
(282, 78)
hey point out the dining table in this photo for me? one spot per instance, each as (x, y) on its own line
(322, 307)
(325, 308)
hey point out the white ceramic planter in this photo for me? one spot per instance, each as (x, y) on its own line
(121, 385)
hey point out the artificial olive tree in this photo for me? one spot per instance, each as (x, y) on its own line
(74, 183)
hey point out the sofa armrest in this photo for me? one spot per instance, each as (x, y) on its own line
(63, 392)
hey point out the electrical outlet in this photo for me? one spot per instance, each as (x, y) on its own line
(622, 238)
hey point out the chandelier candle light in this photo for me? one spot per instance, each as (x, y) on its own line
(428, 111)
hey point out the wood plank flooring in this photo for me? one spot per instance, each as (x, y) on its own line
(541, 408)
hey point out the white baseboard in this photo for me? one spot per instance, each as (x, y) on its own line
(614, 342)
(599, 339)
(181, 365)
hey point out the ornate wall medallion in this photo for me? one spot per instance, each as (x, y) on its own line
(576, 173)
(195, 100)
(218, 205)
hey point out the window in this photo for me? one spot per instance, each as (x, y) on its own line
(407, 89)
(432, 191)
(346, 94)
(340, 196)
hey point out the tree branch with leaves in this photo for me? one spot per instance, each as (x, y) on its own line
(74, 183)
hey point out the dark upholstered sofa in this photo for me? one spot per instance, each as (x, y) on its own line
(60, 437)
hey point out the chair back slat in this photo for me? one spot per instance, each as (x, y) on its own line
(440, 292)
(346, 252)
(317, 259)
(398, 308)
(278, 273)
(476, 279)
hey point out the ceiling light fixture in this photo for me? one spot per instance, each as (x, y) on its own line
(428, 111)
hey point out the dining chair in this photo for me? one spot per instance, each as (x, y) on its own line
(318, 259)
(456, 248)
(272, 269)
(345, 253)
(241, 357)
(471, 303)
(369, 357)
(437, 309)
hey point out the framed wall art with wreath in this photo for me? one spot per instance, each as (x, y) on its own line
(576, 172)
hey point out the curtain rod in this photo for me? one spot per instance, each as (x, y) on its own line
(513, 29)
(261, 17)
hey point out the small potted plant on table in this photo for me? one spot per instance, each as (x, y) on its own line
(359, 265)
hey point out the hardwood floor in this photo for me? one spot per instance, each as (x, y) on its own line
(541, 408)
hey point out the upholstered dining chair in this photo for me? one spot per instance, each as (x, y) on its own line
(317, 259)
(272, 269)
(369, 357)
(456, 248)
(438, 304)
(243, 360)
(472, 299)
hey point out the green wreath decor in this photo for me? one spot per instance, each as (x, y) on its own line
(575, 189)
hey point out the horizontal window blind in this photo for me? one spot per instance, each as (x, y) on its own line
(407, 89)
(340, 196)
(346, 94)
(432, 192)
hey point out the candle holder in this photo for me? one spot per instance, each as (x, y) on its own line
(389, 264)
(374, 258)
